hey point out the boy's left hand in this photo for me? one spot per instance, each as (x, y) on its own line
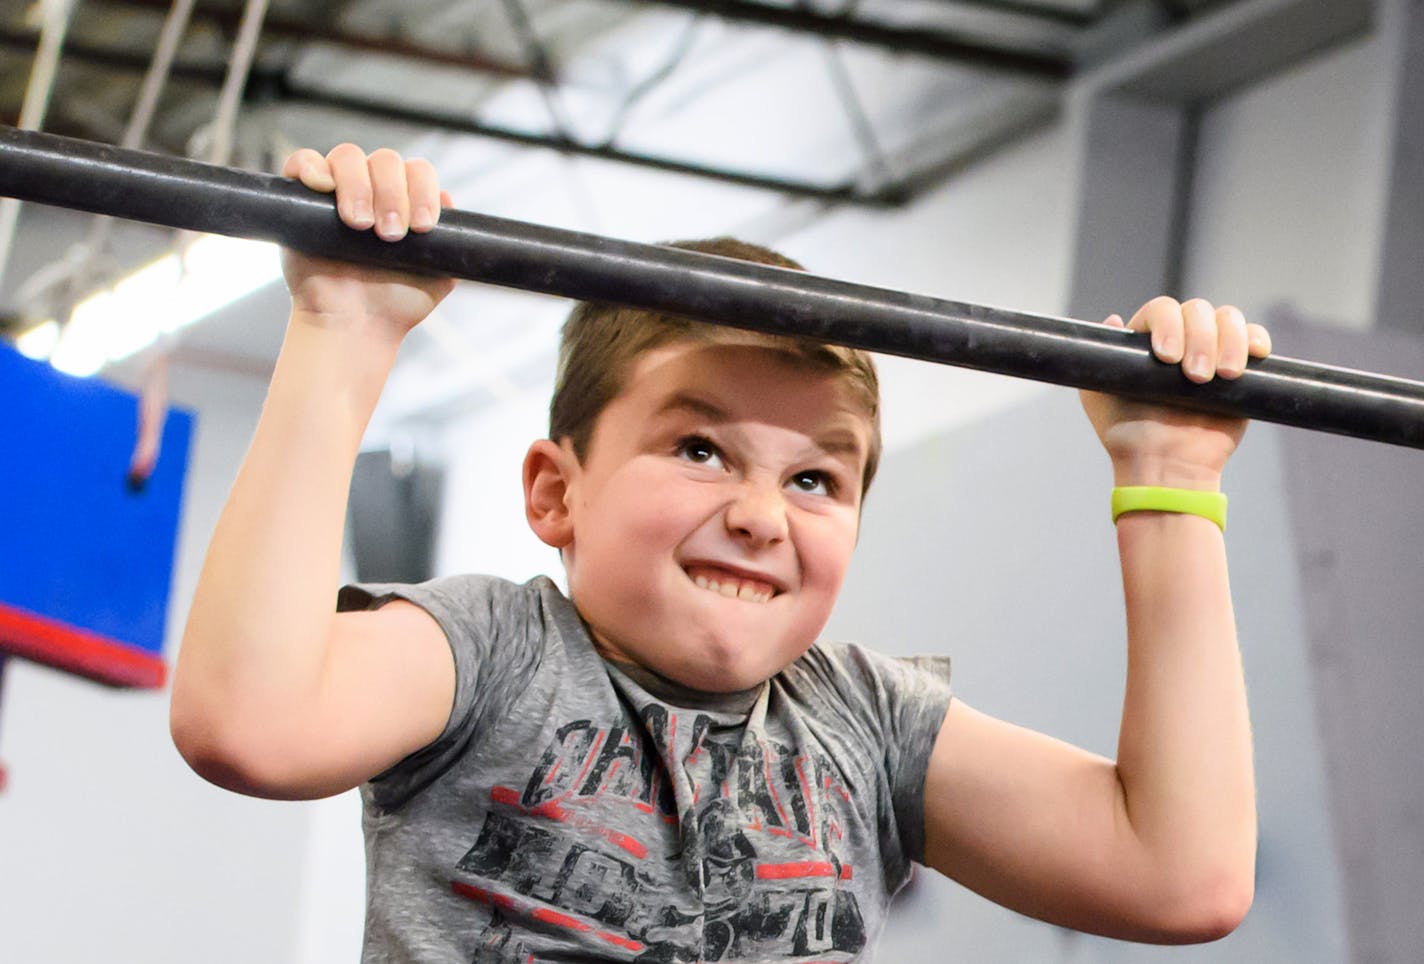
(1160, 445)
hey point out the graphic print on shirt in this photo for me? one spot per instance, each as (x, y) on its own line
(750, 871)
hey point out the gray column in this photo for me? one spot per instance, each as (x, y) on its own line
(1359, 532)
(1400, 304)
(1137, 160)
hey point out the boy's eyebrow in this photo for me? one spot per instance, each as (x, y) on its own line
(841, 442)
(686, 402)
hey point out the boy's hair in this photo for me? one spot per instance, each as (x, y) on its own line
(600, 343)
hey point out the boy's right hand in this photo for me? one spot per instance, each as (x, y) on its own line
(381, 192)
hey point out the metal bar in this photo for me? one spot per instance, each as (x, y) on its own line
(539, 65)
(938, 43)
(184, 194)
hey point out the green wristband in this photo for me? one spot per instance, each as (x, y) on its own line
(1156, 498)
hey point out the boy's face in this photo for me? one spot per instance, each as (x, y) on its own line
(713, 517)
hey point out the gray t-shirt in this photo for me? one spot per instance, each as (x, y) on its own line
(576, 809)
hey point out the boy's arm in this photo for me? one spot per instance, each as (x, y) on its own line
(1159, 846)
(273, 693)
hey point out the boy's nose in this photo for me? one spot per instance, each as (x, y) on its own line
(758, 514)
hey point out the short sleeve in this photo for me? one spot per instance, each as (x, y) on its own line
(495, 630)
(893, 709)
(913, 696)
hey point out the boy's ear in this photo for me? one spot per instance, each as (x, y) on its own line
(548, 471)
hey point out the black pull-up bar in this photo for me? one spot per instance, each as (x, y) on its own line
(185, 194)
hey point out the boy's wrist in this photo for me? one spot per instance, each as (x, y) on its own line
(357, 331)
(1165, 473)
(346, 359)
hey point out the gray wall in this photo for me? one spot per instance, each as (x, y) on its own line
(992, 543)
(1360, 547)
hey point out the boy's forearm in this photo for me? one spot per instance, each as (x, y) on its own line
(1184, 753)
(256, 636)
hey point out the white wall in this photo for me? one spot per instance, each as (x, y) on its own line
(110, 848)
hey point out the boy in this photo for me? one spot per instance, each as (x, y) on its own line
(663, 766)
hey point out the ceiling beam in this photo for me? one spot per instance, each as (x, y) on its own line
(848, 192)
(302, 30)
(1032, 10)
(273, 86)
(956, 46)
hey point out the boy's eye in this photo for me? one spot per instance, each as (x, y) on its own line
(699, 450)
(814, 483)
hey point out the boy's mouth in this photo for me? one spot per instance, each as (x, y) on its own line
(733, 585)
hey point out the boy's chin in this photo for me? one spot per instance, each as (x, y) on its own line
(728, 672)
(726, 661)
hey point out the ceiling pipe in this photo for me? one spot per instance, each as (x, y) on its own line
(956, 46)
(278, 27)
(276, 87)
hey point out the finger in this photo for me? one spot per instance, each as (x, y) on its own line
(446, 201)
(1199, 328)
(311, 169)
(425, 194)
(390, 194)
(1162, 316)
(1259, 341)
(353, 186)
(1231, 342)
(1114, 321)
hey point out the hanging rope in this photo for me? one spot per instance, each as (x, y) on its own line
(36, 103)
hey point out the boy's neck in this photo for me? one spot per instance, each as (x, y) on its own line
(675, 694)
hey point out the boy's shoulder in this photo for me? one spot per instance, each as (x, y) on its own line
(884, 697)
(474, 606)
(467, 588)
(850, 664)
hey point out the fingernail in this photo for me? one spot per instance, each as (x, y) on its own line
(362, 216)
(1167, 349)
(1198, 367)
(391, 228)
(421, 219)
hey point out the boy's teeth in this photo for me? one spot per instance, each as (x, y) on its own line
(747, 591)
(734, 588)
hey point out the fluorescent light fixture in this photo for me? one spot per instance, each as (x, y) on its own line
(161, 297)
(38, 343)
